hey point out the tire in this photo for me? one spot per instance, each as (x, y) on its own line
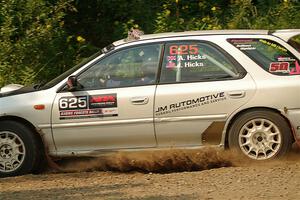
(260, 135)
(18, 149)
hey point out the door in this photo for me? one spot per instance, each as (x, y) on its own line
(199, 84)
(114, 107)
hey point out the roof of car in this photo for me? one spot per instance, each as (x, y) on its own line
(284, 34)
(195, 33)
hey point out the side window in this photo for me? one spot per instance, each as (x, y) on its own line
(195, 61)
(271, 56)
(130, 67)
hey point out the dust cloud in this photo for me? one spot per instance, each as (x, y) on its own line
(157, 161)
(167, 161)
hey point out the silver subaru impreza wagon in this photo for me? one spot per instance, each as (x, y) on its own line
(237, 89)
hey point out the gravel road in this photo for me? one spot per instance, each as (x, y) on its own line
(222, 176)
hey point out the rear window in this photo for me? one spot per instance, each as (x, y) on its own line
(271, 56)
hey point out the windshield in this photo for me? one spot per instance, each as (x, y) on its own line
(64, 75)
(67, 73)
(295, 42)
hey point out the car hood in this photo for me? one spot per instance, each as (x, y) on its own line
(15, 89)
(10, 87)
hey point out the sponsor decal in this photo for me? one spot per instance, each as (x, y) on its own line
(103, 101)
(240, 41)
(190, 103)
(296, 70)
(285, 59)
(245, 47)
(250, 44)
(282, 67)
(79, 107)
(243, 44)
(274, 45)
(285, 67)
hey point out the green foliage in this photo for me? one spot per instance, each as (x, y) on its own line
(181, 15)
(190, 15)
(265, 14)
(104, 21)
(40, 39)
(33, 42)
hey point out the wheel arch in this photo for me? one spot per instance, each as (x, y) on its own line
(241, 112)
(27, 124)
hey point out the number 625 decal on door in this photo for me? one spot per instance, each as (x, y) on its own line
(78, 107)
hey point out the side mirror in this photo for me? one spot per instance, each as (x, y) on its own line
(72, 83)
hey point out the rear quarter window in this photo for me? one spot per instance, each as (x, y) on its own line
(271, 56)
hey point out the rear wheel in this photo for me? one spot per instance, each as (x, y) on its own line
(260, 135)
(18, 149)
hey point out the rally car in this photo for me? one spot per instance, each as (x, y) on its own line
(237, 89)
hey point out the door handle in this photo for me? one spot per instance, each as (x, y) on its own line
(139, 100)
(237, 94)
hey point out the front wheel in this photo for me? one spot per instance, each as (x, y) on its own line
(18, 149)
(260, 135)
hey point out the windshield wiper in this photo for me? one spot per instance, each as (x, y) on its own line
(38, 86)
